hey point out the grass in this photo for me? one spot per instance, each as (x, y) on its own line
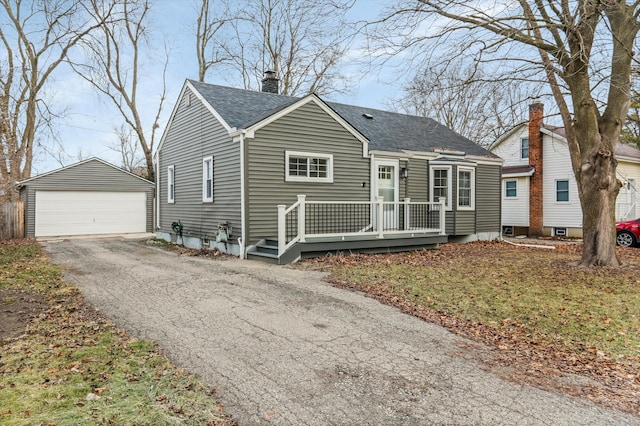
(537, 294)
(73, 367)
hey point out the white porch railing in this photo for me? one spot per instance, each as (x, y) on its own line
(339, 219)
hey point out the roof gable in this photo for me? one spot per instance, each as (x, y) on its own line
(82, 163)
(383, 130)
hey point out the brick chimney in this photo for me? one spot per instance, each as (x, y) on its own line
(270, 82)
(536, 113)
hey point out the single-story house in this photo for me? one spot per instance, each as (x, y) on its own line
(539, 190)
(91, 197)
(255, 173)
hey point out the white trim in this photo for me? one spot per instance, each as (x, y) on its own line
(472, 194)
(553, 135)
(449, 179)
(520, 174)
(399, 155)
(507, 135)
(243, 207)
(171, 181)
(505, 189)
(209, 107)
(22, 182)
(157, 193)
(205, 160)
(308, 155)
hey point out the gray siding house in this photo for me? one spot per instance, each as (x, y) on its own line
(262, 174)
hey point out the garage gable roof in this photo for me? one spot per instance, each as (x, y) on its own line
(92, 159)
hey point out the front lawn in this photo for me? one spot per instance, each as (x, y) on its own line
(532, 305)
(62, 363)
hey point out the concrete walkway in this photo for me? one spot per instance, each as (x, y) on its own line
(282, 347)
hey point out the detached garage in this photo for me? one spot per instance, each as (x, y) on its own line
(92, 197)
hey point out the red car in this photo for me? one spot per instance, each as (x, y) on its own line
(628, 233)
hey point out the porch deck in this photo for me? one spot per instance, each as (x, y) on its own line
(315, 228)
(267, 249)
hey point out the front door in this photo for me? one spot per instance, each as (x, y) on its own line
(387, 187)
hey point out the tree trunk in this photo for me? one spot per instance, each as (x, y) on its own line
(598, 191)
(594, 166)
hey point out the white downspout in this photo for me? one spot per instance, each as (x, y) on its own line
(157, 192)
(243, 237)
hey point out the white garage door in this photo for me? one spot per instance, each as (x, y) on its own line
(89, 213)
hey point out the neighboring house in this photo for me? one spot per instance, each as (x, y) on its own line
(539, 191)
(259, 173)
(91, 197)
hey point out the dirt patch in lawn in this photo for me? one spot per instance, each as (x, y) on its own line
(17, 310)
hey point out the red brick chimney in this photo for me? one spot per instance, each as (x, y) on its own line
(536, 113)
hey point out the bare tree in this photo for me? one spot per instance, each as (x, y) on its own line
(36, 39)
(463, 98)
(210, 48)
(583, 48)
(303, 41)
(129, 149)
(114, 69)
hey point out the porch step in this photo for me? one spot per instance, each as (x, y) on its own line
(265, 251)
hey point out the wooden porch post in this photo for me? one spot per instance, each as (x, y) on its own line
(282, 228)
(380, 201)
(302, 211)
(443, 213)
(407, 202)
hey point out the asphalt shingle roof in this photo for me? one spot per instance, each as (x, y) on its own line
(386, 131)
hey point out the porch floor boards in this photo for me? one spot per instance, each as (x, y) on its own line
(266, 250)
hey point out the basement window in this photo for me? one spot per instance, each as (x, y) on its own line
(560, 232)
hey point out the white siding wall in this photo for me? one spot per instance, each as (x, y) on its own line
(515, 211)
(557, 166)
(509, 149)
(626, 208)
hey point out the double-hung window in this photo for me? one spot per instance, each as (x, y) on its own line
(562, 191)
(466, 185)
(308, 167)
(171, 184)
(207, 179)
(524, 148)
(511, 189)
(440, 177)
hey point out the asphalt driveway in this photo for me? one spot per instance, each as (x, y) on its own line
(283, 347)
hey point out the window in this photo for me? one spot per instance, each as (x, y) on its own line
(466, 185)
(562, 191)
(207, 179)
(171, 178)
(524, 148)
(308, 167)
(440, 177)
(511, 189)
(559, 232)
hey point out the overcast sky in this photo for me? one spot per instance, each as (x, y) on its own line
(88, 126)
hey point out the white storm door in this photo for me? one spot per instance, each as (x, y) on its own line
(386, 186)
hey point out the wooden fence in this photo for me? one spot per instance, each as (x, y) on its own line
(11, 220)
